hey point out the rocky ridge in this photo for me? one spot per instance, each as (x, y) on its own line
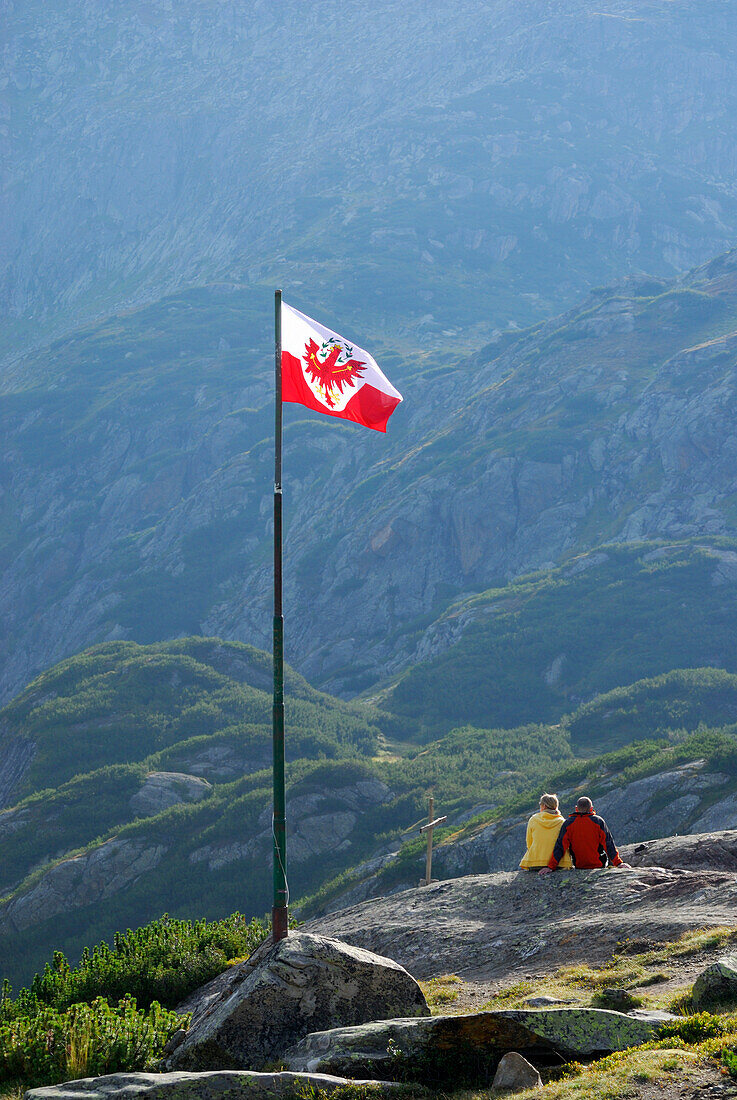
(321, 823)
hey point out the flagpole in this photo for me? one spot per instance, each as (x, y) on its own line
(279, 913)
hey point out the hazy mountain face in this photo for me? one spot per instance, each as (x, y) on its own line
(429, 167)
(138, 462)
(421, 176)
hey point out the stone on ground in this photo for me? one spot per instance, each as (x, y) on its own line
(717, 984)
(217, 1085)
(514, 1073)
(370, 1050)
(305, 983)
(621, 1000)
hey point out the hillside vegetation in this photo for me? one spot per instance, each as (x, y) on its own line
(114, 1011)
(186, 829)
(536, 648)
(122, 702)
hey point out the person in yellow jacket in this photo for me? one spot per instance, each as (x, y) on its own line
(542, 833)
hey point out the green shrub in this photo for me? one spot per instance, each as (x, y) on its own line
(696, 1028)
(162, 962)
(85, 1040)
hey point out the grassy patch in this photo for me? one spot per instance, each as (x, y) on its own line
(619, 1075)
(618, 972)
(513, 996)
(691, 943)
(442, 990)
(627, 970)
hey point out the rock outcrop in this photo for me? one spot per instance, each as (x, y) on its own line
(16, 755)
(160, 790)
(513, 922)
(304, 983)
(700, 852)
(93, 876)
(392, 1049)
(215, 1085)
(319, 822)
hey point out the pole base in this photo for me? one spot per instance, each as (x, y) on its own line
(279, 923)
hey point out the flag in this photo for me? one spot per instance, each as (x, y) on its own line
(326, 372)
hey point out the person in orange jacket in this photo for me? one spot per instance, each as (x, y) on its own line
(586, 836)
(542, 833)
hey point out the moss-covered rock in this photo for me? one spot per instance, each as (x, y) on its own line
(414, 1049)
(717, 985)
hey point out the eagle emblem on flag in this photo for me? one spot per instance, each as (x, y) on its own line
(328, 373)
(332, 368)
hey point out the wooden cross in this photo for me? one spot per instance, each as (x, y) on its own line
(428, 829)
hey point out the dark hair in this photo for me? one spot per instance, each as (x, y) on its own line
(584, 804)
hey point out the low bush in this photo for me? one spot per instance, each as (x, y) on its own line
(85, 1040)
(162, 962)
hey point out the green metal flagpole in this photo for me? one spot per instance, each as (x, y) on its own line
(280, 911)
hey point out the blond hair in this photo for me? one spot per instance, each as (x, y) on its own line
(549, 802)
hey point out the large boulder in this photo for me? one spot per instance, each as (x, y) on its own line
(196, 1086)
(717, 985)
(305, 983)
(413, 1049)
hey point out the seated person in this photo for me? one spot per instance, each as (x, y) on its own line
(542, 833)
(587, 838)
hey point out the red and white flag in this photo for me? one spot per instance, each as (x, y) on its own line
(328, 373)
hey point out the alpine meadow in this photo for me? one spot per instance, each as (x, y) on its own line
(480, 468)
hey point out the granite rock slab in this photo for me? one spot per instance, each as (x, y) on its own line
(217, 1085)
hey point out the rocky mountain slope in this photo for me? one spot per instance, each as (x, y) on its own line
(138, 465)
(534, 648)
